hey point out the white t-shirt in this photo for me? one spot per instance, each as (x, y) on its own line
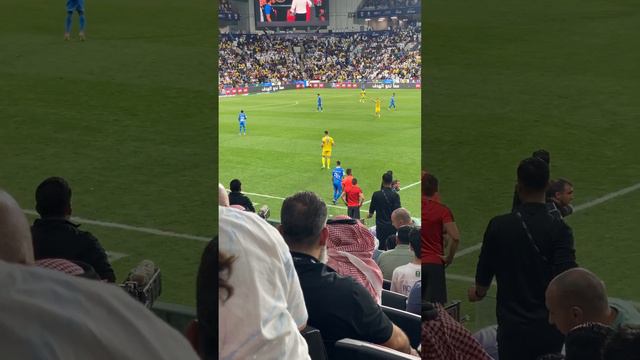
(404, 277)
(46, 314)
(300, 6)
(261, 319)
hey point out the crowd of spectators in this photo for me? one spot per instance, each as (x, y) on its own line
(224, 7)
(256, 58)
(388, 4)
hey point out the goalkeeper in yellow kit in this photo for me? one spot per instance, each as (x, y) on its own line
(327, 144)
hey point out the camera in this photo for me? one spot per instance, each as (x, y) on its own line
(144, 283)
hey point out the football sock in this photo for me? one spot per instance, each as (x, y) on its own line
(328, 163)
(67, 24)
(323, 162)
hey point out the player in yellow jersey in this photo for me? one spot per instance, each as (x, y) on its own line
(378, 107)
(327, 144)
(363, 95)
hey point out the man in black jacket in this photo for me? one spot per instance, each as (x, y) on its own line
(383, 203)
(236, 197)
(524, 250)
(54, 236)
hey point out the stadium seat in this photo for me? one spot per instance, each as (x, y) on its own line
(408, 322)
(361, 350)
(394, 300)
(386, 284)
(315, 343)
(454, 309)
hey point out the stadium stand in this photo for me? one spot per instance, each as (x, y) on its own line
(387, 4)
(249, 59)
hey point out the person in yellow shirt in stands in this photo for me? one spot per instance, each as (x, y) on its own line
(327, 145)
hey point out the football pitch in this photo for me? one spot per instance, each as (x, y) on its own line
(127, 117)
(507, 78)
(281, 153)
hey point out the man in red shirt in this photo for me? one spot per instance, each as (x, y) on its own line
(353, 198)
(437, 220)
(346, 181)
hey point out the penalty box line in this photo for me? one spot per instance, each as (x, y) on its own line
(578, 208)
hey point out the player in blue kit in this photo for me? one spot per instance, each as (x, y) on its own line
(336, 175)
(319, 108)
(78, 6)
(242, 120)
(392, 102)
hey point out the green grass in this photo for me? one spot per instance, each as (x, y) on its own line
(281, 153)
(127, 117)
(506, 78)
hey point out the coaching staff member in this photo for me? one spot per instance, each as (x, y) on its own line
(524, 250)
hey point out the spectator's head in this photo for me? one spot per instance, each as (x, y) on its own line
(349, 171)
(235, 185)
(623, 345)
(400, 217)
(348, 238)
(410, 234)
(543, 155)
(387, 179)
(586, 341)
(561, 191)
(223, 197)
(53, 198)
(303, 223)
(429, 185)
(533, 178)
(203, 333)
(575, 297)
(15, 237)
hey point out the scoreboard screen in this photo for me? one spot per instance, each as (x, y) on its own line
(291, 13)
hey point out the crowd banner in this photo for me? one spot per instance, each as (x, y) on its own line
(269, 87)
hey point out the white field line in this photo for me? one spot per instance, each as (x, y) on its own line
(282, 199)
(115, 256)
(329, 205)
(401, 188)
(130, 228)
(580, 207)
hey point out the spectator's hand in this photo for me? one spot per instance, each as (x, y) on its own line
(473, 295)
(447, 260)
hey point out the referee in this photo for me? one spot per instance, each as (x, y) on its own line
(299, 7)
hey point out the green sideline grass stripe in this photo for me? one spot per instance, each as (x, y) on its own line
(578, 208)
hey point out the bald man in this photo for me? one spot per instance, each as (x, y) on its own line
(399, 218)
(15, 236)
(578, 296)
